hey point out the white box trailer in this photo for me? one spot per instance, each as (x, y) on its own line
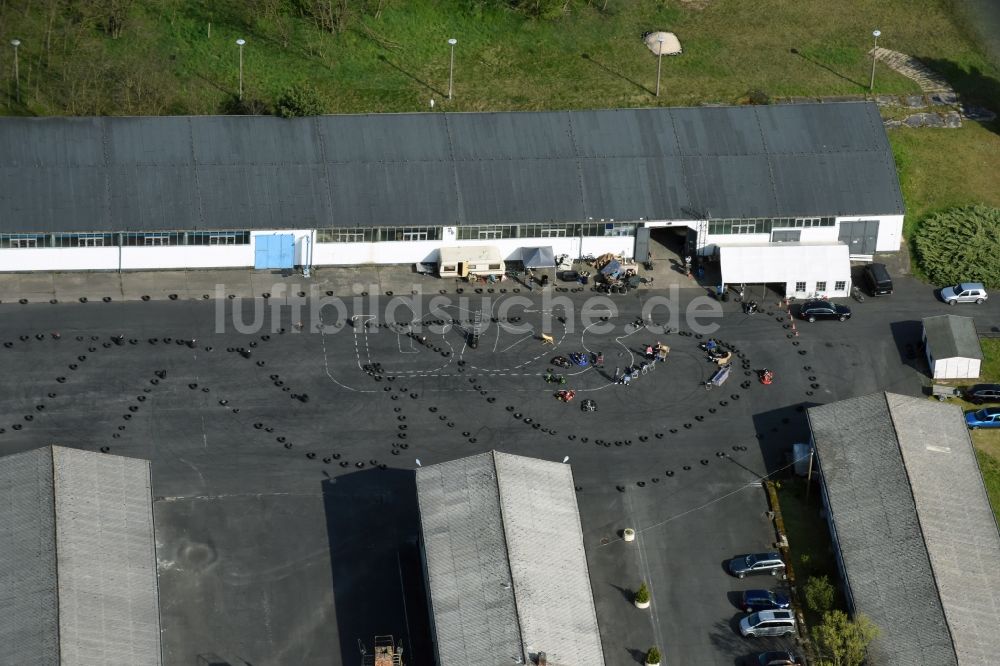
(470, 260)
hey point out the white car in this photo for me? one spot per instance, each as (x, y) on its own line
(965, 292)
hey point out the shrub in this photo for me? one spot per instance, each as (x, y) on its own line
(642, 594)
(961, 245)
(819, 593)
(843, 641)
(299, 100)
(653, 655)
(234, 106)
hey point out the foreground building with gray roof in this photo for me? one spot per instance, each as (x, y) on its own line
(916, 540)
(506, 571)
(77, 560)
(264, 192)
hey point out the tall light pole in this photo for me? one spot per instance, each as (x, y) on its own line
(240, 42)
(451, 68)
(17, 77)
(659, 61)
(876, 34)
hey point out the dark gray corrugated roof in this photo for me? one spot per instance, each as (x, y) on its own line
(77, 560)
(951, 336)
(882, 547)
(240, 172)
(493, 599)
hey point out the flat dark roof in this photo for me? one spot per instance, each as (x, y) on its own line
(259, 172)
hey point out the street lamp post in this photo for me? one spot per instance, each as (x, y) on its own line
(240, 42)
(451, 68)
(17, 78)
(876, 34)
(659, 61)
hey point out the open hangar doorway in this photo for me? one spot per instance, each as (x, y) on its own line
(671, 244)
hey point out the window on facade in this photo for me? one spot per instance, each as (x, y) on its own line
(344, 235)
(839, 285)
(216, 238)
(618, 229)
(786, 236)
(800, 287)
(24, 241)
(139, 238)
(408, 233)
(744, 228)
(486, 232)
(553, 233)
(820, 287)
(82, 240)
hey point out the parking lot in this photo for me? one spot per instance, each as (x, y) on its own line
(282, 474)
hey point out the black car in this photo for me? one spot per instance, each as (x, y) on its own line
(780, 658)
(813, 310)
(878, 279)
(756, 600)
(982, 393)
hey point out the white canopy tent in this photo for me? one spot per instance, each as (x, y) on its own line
(805, 269)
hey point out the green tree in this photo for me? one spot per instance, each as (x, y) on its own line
(642, 594)
(961, 245)
(819, 593)
(299, 100)
(842, 641)
(653, 655)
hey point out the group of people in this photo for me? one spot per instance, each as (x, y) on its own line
(657, 352)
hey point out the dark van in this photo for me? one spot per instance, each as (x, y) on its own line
(878, 279)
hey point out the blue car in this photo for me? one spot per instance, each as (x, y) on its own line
(758, 600)
(983, 418)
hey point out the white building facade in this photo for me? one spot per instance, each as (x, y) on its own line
(118, 194)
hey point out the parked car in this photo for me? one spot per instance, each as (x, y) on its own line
(757, 563)
(878, 279)
(758, 600)
(768, 623)
(780, 658)
(813, 310)
(980, 393)
(983, 418)
(965, 292)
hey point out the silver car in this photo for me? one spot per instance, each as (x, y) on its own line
(965, 292)
(768, 623)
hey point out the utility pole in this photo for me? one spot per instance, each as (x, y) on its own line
(451, 68)
(876, 34)
(659, 61)
(240, 42)
(17, 77)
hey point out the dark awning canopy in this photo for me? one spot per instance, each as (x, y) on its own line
(538, 257)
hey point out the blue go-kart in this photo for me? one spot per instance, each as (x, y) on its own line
(579, 359)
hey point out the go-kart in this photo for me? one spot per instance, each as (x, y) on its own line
(766, 376)
(560, 361)
(565, 395)
(588, 405)
(552, 378)
(579, 359)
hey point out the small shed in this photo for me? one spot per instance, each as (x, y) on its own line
(952, 346)
(470, 260)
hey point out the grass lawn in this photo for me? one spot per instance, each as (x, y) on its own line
(939, 169)
(166, 62)
(987, 442)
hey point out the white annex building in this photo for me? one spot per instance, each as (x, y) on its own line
(77, 560)
(252, 191)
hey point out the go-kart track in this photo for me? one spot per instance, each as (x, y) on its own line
(283, 458)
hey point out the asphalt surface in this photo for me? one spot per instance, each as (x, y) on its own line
(282, 540)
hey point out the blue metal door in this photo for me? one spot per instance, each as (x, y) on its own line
(275, 251)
